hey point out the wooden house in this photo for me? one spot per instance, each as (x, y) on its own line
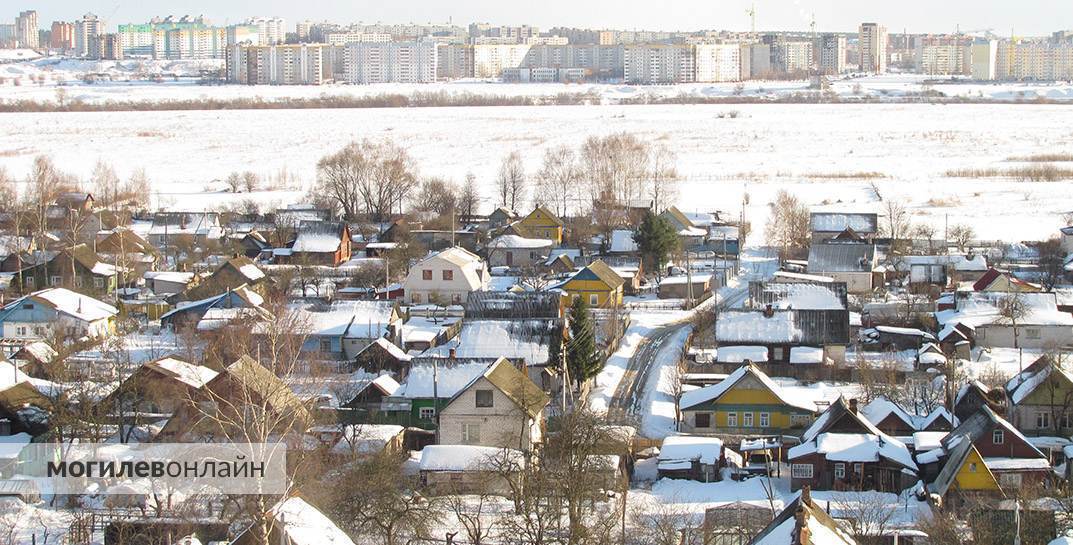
(160, 387)
(500, 407)
(803, 521)
(1041, 399)
(56, 312)
(964, 476)
(1013, 459)
(691, 457)
(842, 450)
(597, 283)
(296, 522)
(229, 275)
(541, 223)
(746, 403)
(321, 243)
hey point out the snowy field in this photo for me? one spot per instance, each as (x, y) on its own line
(812, 150)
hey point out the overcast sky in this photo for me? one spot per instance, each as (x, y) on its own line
(1024, 17)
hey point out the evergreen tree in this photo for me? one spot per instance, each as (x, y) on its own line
(582, 358)
(656, 238)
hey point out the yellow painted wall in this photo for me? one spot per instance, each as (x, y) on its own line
(605, 296)
(749, 400)
(538, 225)
(981, 479)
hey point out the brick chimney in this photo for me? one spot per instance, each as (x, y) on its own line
(451, 355)
(768, 311)
(853, 405)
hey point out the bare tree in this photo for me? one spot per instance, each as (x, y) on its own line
(865, 514)
(438, 196)
(663, 180)
(511, 181)
(927, 232)
(138, 188)
(558, 178)
(895, 223)
(250, 181)
(788, 228)
(234, 181)
(613, 168)
(664, 523)
(1051, 262)
(106, 186)
(469, 197)
(374, 178)
(1012, 309)
(961, 235)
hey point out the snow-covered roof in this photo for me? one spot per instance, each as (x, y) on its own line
(303, 524)
(188, 373)
(465, 457)
(806, 354)
(836, 222)
(365, 438)
(787, 275)
(318, 237)
(803, 296)
(446, 379)
(71, 303)
(928, 440)
(512, 339)
(753, 326)
(689, 448)
(515, 241)
(974, 263)
(348, 319)
(738, 354)
(880, 408)
(983, 308)
(855, 447)
(169, 276)
(715, 391)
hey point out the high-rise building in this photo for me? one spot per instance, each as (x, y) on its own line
(272, 30)
(872, 42)
(243, 34)
(717, 62)
(304, 30)
(27, 30)
(984, 59)
(7, 35)
(106, 46)
(62, 36)
(830, 51)
(86, 30)
(489, 60)
(658, 63)
(1034, 60)
(343, 38)
(944, 55)
(391, 62)
(294, 64)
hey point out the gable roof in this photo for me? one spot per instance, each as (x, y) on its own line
(541, 208)
(319, 236)
(869, 443)
(679, 217)
(70, 303)
(837, 222)
(188, 373)
(712, 393)
(880, 408)
(259, 380)
(517, 387)
(980, 423)
(958, 456)
(598, 270)
(1031, 381)
(803, 521)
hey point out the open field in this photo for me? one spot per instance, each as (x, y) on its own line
(902, 150)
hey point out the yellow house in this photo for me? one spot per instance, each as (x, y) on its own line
(541, 223)
(745, 403)
(966, 474)
(599, 285)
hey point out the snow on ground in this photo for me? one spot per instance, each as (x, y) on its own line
(32, 523)
(642, 324)
(659, 417)
(695, 496)
(767, 148)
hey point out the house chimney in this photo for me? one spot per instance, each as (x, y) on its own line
(806, 495)
(451, 353)
(768, 311)
(853, 405)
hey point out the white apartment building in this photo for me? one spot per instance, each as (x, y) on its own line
(791, 57)
(944, 55)
(244, 34)
(391, 62)
(272, 30)
(489, 60)
(717, 62)
(26, 29)
(755, 61)
(872, 42)
(87, 29)
(1034, 61)
(830, 51)
(344, 38)
(297, 64)
(658, 64)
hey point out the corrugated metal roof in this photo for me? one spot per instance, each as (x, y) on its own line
(841, 258)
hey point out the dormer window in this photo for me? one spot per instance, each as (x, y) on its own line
(998, 437)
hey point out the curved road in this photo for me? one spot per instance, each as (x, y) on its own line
(630, 393)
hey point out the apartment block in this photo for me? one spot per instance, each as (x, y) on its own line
(27, 30)
(106, 47)
(830, 51)
(243, 34)
(658, 64)
(872, 42)
(489, 60)
(86, 31)
(391, 62)
(62, 36)
(944, 55)
(984, 55)
(7, 35)
(272, 30)
(717, 62)
(344, 38)
(1036, 60)
(297, 64)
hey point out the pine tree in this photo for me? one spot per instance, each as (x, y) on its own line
(656, 238)
(582, 358)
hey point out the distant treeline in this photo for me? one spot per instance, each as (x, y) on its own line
(444, 99)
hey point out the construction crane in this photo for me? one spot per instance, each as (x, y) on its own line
(751, 12)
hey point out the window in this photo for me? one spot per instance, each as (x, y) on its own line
(840, 471)
(801, 471)
(765, 420)
(702, 420)
(594, 299)
(484, 398)
(799, 420)
(427, 413)
(78, 281)
(426, 274)
(54, 280)
(747, 420)
(1011, 480)
(1032, 333)
(456, 298)
(1043, 420)
(471, 433)
(416, 298)
(972, 467)
(28, 306)
(98, 283)
(997, 437)
(778, 353)
(20, 331)
(448, 275)
(732, 420)
(325, 345)
(858, 469)
(1065, 421)
(30, 282)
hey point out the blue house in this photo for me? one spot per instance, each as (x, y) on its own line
(189, 314)
(56, 312)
